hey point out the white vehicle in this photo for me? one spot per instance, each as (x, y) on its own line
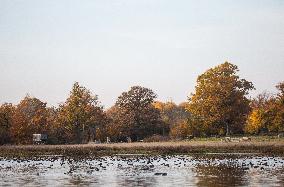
(39, 138)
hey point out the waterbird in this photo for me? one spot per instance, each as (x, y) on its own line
(161, 174)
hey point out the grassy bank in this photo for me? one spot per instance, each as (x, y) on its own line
(191, 147)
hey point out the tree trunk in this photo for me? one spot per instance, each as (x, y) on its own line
(227, 129)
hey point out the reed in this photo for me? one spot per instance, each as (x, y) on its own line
(180, 147)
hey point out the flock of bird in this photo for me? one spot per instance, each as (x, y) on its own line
(138, 163)
(161, 165)
(135, 166)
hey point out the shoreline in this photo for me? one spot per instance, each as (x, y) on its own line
(151, 148)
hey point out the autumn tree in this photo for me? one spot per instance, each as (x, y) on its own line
(220, 100)
(255, 122)
(172, 113)
(262, 100)
(267, 114)
(114, 128)
(175, 117)
(278, 109)
(136, 115)
(6, 114)
(79, 116)
(52, 128)
(260, 116)
(180, 130)
(30, 117)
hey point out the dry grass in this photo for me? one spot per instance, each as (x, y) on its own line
(181, 147)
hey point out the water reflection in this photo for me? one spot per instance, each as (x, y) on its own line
(221, 175)
(80, 180)
(181, 170)
(138, 181)
(280, 178)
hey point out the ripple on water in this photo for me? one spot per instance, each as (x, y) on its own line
(143, 170)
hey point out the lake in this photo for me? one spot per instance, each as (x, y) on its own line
(142, 170)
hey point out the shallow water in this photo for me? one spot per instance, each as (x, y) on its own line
(181, 170)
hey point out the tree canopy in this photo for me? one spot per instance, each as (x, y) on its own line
(267, 115)
(136, 114)
(80, 115)
(220, 100)
(30, 117)
(218, 106)
(6, 117)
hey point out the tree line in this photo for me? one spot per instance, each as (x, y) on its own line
(219, 106)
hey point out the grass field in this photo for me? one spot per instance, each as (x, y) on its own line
(258, 145)
(253, 138)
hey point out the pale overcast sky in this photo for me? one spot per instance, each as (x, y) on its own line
(110, 45)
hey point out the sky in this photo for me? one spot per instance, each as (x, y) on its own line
(110, 45)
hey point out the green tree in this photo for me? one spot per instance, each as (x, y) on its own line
(6, 114)
(220, 100)
(136, 115)
(79, 116)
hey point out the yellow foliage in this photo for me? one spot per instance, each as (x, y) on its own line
(180, 130)
(254, 122)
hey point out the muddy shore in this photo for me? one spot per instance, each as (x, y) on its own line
(85, 150)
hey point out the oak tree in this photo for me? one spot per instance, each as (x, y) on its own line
(220, 100)
(79, 116)
(136, 115)
(30, 117)
(6, 115)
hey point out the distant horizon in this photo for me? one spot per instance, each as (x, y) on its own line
(109, 46)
